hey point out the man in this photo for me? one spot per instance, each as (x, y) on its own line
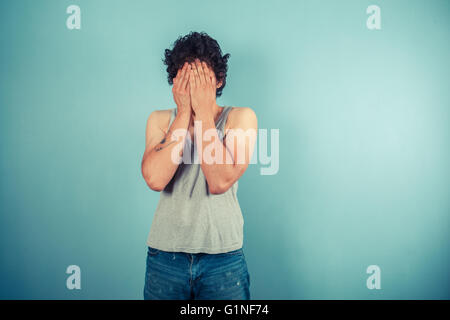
(194, 155)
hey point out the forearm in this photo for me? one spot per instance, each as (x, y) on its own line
(160, 163)
(220, 172)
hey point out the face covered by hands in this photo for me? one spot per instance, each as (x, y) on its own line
(202, 85)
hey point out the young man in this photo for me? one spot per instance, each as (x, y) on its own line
(194, 155)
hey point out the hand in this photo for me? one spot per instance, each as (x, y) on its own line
(202, 83)
(180, 89)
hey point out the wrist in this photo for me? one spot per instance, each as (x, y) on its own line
(184, 113)
(203, 114)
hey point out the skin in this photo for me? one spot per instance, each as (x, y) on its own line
(194, 92)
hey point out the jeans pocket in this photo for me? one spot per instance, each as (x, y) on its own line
(153, 251)
(235, 252)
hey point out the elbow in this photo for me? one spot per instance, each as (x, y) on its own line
(218, 188)
(155, 186)
(152, 182)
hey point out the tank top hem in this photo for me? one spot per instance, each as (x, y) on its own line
(196, 250)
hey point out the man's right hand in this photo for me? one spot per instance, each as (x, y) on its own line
(181, 90)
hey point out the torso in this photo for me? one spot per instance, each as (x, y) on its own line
(188, 217)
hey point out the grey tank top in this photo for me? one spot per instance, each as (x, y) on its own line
(188, 218)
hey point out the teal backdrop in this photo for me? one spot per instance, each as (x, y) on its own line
(363, 119)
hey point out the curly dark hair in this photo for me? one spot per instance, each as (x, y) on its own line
(197, 45)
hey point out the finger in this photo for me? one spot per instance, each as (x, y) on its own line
(201, 74)
(178, 74)
(192, 84)
(212, 76)
(188, 89)
(181, 75)
(207, 73)
(196, 72)
(175, 79)
(192, 80)
(195, 75)
(185, 76)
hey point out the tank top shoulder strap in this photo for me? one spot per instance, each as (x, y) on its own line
(172, 116)
(220, 125)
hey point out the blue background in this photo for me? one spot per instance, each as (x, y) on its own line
(364, 143)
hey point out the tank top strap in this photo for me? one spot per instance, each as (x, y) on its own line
(220, 124)
(172, 116)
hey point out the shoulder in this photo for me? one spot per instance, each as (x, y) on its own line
(239, 112)
(241, 116)
(159, 118)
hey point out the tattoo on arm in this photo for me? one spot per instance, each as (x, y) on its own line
(160, 147)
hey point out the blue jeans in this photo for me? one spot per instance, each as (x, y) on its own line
(196, 276)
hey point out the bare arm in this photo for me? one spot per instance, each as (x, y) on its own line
(235, 151)
(157, 165)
